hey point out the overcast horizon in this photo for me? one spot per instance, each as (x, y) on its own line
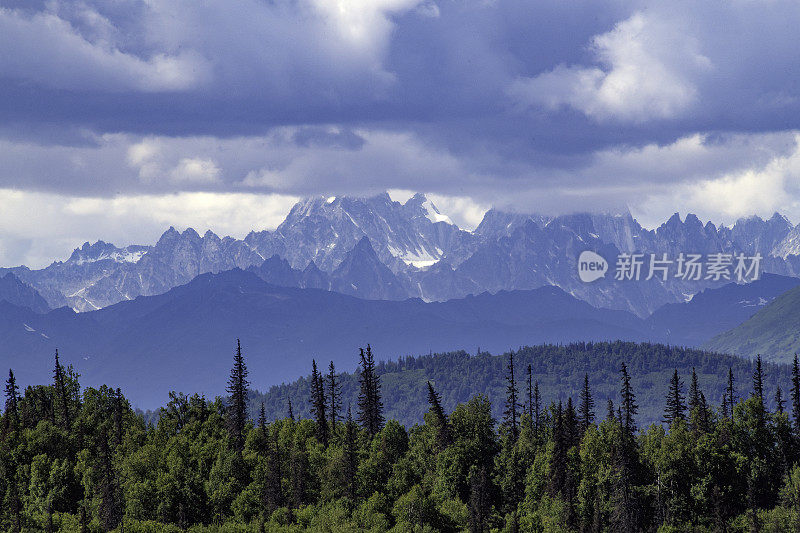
(119, 119)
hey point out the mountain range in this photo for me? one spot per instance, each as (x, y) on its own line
(184, 338)
(376, 248)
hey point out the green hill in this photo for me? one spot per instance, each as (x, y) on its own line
(559, 369)
(773, 332)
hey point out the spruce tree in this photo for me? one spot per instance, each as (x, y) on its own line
(61, 391)
(262, 418)
(334, 396)
(290, 409)
(319, 407)
(628, 401)
(674, 410)
(350, 456)
(237, 406)
(586, 408)
(779, 403)
(610, 414)
(730, 391)
(119, 424)
(529, 391)
(796, 395)
(758, 390)
(12, 405)
(558, 461)
(537, 408)
(443, 429)
(758, 380)
(694, 393)
(370, 406)
(704, 416)
(511, 412)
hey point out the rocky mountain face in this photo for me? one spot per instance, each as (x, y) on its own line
(14, 291)
(376, 248)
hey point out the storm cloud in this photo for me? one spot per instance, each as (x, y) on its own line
(586, 105)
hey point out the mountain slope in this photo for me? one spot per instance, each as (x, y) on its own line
(184, 338)
(12, 290)
(559, 371)
(773, 332)
(713, 311)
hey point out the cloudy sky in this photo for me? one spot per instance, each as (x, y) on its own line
(119, 118)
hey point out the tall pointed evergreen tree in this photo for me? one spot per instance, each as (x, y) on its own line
(628, 401)
(262, 418)
(350, 456)
(443, 429)
(694, 392)
(12, 405)
(730, 391)
(558, 461)
(674, 410)
(61, 391)
(119, 423)
(529, 394)
(758, 390)
(796, 395)
(290, 409)
(511, 412)
(779, 403)
(370, 406)
(758, 380)
(610, 413)
(537, 408)
(319, 406)
(334, 397)
(237, 405)
(586, 408)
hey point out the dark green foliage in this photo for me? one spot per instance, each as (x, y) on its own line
(11, 417)
(61, 391)
(237, 406)
(443, 435)
(318, 405)
(370, 406)
(627, 402)
(334, 396)
(512, 408)
(674, 411)
(586, 409)
(109, 470)
(558, 370)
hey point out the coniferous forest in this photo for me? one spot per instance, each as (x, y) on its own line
(81, 459)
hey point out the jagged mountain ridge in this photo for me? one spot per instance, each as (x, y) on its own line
(426, 255)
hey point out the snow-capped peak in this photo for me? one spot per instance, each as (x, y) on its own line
(433, 213)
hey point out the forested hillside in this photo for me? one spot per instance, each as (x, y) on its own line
(559, 369)
(73, 460)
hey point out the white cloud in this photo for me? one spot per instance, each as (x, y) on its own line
(195, 170)
(37, 228)
(648, 67)
(759, 189)
(46, 49)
